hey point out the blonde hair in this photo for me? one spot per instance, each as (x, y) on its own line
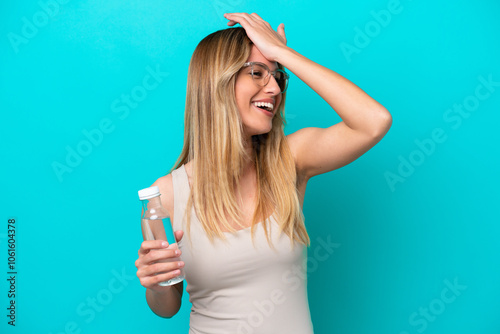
(213, 140)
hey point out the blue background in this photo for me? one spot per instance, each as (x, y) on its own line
(399, 245)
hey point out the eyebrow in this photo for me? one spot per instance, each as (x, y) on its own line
(277, 67)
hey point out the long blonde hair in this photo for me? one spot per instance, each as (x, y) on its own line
(213, 140)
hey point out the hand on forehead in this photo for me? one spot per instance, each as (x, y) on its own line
(257, 56)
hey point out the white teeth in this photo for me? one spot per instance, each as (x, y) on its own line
(268, 106)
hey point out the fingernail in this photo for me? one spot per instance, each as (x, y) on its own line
(176, 252)
(164, 244)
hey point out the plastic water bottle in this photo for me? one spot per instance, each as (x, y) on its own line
(156, 225)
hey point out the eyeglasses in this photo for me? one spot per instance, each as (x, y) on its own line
(261, 75)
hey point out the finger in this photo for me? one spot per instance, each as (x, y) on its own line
(160, 268)
(240, 15)
(255, 15)
(281, 31)
(159, 255)
(178, 235)
(148, 245)
(150, 281)
(242, 18)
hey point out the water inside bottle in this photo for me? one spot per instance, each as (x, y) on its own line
(155, 229)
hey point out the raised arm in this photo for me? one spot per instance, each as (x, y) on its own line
(364, 120)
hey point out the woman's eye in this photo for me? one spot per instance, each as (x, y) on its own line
(257, 73)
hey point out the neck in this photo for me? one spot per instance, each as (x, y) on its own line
(249, 164)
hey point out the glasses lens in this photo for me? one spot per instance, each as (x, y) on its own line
(281, 79)
(261, 76)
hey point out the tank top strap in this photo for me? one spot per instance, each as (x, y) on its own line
(182, 191)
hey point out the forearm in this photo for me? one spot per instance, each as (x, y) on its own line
(166, 304)
(356, 108)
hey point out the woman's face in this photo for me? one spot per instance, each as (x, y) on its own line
(255, 120)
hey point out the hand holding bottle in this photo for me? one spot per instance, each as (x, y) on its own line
(158, 235)
(156, 263)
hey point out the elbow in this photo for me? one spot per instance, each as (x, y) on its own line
(168, 315)
(383, 124)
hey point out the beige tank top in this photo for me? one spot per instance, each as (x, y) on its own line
(235, 288)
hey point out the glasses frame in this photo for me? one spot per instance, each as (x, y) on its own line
(269, 73)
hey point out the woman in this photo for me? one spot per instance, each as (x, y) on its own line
(240, 180)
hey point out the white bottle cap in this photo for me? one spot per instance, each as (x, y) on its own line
(148, 193)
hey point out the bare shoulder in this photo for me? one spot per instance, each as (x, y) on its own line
(322, 150)
(166, 193)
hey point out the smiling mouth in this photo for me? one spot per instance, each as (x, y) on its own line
(264, 106)
(265, 111)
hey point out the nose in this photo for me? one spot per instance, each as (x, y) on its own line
(272, 86)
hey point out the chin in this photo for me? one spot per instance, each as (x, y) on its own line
(261, 131)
